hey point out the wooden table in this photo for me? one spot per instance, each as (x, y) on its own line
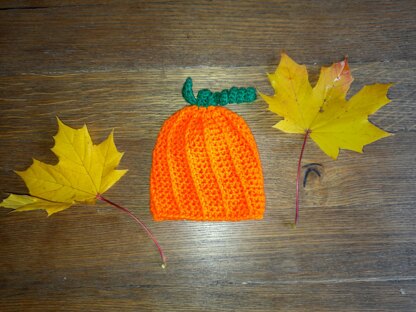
(121, 64)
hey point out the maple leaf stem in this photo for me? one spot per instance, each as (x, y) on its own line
(141, 223)
(298, 175)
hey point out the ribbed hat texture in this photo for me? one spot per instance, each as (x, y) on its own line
(206, 167)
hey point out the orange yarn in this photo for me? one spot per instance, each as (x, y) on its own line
(206, 167)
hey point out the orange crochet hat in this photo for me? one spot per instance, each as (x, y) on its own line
(205, 162)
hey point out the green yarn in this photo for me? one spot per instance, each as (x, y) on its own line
(207, 98)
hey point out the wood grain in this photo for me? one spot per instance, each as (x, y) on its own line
(121, 65)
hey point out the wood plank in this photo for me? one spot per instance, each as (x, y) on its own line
(102, 35)
(145, 98)
(351, 296)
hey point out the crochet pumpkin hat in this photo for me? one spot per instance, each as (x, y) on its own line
(206, 165)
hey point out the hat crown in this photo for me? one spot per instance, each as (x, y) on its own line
(206, 167)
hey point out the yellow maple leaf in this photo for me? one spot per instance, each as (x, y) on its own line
(322, 112)
(83, 172)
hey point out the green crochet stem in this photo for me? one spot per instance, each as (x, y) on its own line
(207, 98)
